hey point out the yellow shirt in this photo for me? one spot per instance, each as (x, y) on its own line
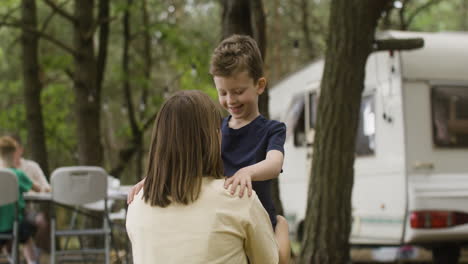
(216, 228)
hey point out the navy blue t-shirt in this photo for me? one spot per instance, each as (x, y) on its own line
(249, 145)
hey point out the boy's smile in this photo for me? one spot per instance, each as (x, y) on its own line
(238, 94)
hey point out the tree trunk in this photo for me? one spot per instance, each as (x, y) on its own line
(104, 28)
(236, 18)
(328, 218)
(87, 92)
(32, 98)
(148, 57)
(33, 86)
(257, 15)
(127, 90)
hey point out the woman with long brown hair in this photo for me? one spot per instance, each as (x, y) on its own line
(184, 214)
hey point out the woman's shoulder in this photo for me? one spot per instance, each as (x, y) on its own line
(214, 189)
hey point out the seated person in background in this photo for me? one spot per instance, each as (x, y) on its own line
(31, 168)
(33, 211)
(184, 214)
(8, 149)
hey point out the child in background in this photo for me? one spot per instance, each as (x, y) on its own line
(252, 146)
(8, 150)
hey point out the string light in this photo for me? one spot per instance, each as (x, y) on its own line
(398, 4)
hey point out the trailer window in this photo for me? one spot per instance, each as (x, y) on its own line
(365, 139)
(450, 116)
(294, 120)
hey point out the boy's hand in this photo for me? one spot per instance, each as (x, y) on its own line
(135, 189)
(243, 178)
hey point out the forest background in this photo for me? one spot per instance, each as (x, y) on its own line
(156, 47)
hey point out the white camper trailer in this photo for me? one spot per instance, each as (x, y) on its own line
(411, 168)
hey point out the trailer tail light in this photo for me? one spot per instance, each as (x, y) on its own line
(437, 219)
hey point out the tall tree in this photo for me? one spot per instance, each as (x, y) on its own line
(352, 26)
(87, 92)
(247, 17)
(33, 85)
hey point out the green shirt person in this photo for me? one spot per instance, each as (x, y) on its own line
(7, 212)
(8, 155)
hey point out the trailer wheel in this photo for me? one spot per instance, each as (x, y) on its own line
(446, 254)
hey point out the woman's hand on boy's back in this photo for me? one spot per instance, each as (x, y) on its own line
(243, 179)
(134, 190)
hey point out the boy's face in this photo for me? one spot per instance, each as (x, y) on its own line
(238, 94)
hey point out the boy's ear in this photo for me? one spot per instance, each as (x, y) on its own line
(261, 84)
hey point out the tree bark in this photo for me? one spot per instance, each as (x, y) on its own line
(87, 92)
(147, 55)
(136, 131)
(148, 65)
(258, 24)
(328, 218)
(33, 86)
(236, 18)
(104, 28)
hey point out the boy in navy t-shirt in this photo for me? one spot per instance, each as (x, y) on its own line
(252, 146)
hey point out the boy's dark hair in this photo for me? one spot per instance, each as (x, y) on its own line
(235, 54)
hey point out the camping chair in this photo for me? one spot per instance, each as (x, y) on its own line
(9, 193)
(77, 186)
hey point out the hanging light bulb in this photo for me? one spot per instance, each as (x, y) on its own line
(398, 4)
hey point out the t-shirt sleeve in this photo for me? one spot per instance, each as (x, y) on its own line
(277, 136)
(260, 244)
(25, 184)
(39, 175)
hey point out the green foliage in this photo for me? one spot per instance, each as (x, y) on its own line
(13, 114)
(183, 33)
(429, 15)
(57, 102)
(443, 16)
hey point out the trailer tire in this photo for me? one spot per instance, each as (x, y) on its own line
(446, 254)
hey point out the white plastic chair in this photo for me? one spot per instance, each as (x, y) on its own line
(9, 193)
(77, 186)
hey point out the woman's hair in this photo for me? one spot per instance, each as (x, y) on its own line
(185, 146)
(8, 148)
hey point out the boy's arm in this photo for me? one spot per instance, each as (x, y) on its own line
(267, 169)
(25, 183)
(135, 190)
